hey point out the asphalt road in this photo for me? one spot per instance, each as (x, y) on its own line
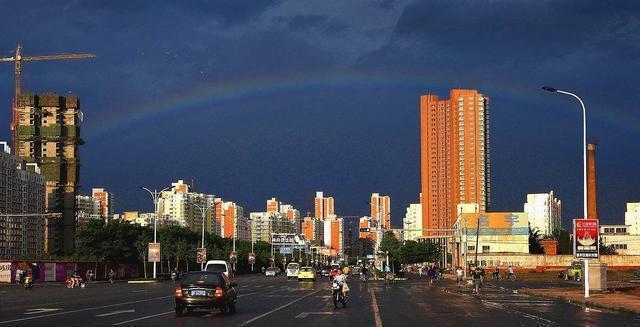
(278, 302)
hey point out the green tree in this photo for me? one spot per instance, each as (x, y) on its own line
(416, 252)
(606, 249)
(565, 245)
(141, 245)
(534, 241)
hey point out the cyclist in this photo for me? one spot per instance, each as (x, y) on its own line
(510, 274)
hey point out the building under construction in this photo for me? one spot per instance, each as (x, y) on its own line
(47, 132)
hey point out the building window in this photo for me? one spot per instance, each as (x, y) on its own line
(471, 248)
(486, 248)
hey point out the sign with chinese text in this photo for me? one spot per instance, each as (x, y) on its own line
(586, 239)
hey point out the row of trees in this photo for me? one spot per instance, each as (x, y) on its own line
(122, 242)
(410, 252)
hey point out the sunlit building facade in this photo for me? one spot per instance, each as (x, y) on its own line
(455, 165)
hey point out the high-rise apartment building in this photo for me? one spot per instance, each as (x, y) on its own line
(273, 205)
(177, 206)
(323, 206)
(313, 229)
(334, 234)
(381, 210)
(47, 133)
(454, 140)
(87, 208)
(412, 222)
(545, 213)
(105, 199)
(263, 224)
(22, 206)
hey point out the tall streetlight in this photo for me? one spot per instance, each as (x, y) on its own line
(155, 195)
(584, 163)
(203, 211)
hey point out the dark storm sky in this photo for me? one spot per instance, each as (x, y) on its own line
(309, 96)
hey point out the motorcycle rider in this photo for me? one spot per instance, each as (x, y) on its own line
(341, 279)
(112, 275)
(363, 272)
(75, 279)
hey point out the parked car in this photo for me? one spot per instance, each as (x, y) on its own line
(271, 271)
(306, 273)
(204, 289)
(219, 266)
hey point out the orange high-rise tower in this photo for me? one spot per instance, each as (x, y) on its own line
(454, 142)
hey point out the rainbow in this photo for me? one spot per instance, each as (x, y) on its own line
(237, 90)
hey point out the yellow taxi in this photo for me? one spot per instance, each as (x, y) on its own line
(306, 273)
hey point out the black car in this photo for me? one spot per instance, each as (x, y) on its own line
(203, 289)
(326, 271)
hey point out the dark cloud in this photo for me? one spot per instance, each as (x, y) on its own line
(301, 22)
(383, 4)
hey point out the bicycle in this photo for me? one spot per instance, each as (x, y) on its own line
(511, 277)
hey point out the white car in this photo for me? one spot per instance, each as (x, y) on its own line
(219, 266)
(292, 270)
(271, 271)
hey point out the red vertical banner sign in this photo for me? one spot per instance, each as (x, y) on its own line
(586, 239)
(154, 252)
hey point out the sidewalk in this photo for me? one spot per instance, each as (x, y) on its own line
(612, 301)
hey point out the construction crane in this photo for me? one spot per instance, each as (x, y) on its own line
(18, 58)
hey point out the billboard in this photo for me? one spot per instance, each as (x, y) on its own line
(5, 272)
(252, 258)
(154, 252)
(586, 243)
(201, 255)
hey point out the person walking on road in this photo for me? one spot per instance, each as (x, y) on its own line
(476, 276)
(510, 274)
(459, 273)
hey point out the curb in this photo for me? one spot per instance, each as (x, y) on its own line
(142, 282)
(582, 302)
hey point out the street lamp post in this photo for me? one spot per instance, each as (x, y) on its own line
(154, 195)
(203, 212)
(584, 164)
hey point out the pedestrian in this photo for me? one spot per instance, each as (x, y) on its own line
(18, 275)
(459, 273)
(476, 276)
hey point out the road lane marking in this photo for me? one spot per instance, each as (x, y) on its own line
(374, 307)
(138, 291)
(160, 314)
(40, 310)
(278, 308)
(85, 309)
(116, 313)
(306, 314)
(143, 318)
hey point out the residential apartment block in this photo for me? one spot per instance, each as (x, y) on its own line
(381, 210)
(263, 224)
(632, 218)
(324, 206)
(313, 229)
(455, 165)
(334, 234)
(87, 208)
(412, 222)
(105, 199)
(22, 206)
(544, 211)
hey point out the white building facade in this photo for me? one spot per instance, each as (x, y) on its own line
(632, 218)
(412, 222)
(544, 212)
(619, 238)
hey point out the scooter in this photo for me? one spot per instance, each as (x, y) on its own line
(338, 295)
(81, 283)
(28, 283)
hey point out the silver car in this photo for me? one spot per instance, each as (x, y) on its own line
(271, 271)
